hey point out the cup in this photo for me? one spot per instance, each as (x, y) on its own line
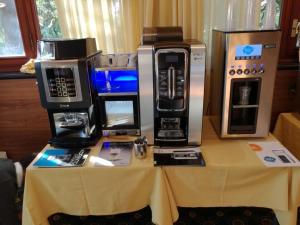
(140, 148)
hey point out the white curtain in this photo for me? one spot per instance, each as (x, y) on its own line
(118, 24)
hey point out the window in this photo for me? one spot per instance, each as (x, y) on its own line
(48, 19)
(263, 9)
(10, 39)
(18, 33)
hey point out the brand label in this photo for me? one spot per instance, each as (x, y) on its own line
(196, 57)
(270, 46)
(64, 106)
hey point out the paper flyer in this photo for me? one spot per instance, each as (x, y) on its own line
(114, 154)
(274, 154)
(62, 157)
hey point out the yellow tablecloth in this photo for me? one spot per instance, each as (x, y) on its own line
(93, 190)
(234, 176)
(287, 131)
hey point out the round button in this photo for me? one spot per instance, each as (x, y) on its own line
(232, 72)
(239, 71)
(246, 71)
(261, 70)
(253, 71)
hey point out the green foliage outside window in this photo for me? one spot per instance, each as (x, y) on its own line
(48, 19)
(264, 9)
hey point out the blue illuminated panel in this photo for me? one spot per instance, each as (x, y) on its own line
(115, 81)
(245, 52)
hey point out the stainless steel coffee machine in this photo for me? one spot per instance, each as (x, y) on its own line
(243, 73)
(171, 84)
(63, 69)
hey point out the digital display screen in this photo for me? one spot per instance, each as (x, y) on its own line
(119, 113)
(244, 52)
(172, 58)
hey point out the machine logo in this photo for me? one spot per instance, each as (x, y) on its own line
(64, 106)
(248, 49)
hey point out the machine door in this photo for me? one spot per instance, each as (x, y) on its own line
(244, 105)
(171, 67)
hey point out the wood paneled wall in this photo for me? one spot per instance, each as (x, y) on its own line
(283, 100)
(23, 122)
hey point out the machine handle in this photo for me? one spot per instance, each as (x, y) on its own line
(171, 82)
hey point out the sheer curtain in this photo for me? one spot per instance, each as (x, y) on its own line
(118, 24)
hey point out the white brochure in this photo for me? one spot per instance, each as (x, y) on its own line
(274, 154)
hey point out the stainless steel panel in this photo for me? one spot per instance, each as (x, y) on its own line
(145, 66)
(54, 64)
(197, 78)
(269, 59)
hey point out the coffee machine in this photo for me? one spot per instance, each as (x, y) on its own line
(116, 82)
(243, 73)
(171, 83)
(63, 69)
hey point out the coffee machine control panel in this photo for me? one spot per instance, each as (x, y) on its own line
(249, 69)
(171, 79)
(247, 61)
(61, 82)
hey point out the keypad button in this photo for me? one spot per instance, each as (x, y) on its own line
(239, 71)
(253, 71)
(232, 72)
(261, 70)
(246, 71)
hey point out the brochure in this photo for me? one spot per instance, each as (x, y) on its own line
(62, 158)
(188, 156)
(274, 154)
(114, 154)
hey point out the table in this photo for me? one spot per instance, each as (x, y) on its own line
(234, 176)
(287, 131)
(90, 190)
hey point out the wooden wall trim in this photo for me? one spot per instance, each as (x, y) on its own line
(23, 122)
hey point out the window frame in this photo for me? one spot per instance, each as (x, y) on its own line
(30, 32)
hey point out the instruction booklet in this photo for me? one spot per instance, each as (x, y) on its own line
(274, 154)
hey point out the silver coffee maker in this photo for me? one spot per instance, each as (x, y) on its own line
(171, 84)
(243, 73)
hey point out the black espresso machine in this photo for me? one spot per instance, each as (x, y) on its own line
(63, 71)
